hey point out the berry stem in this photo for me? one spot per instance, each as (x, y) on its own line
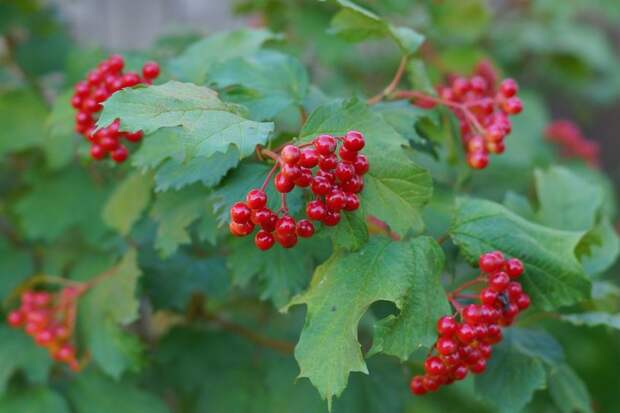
(464, 286)
(269, 176)
(283, 206)
(393, 84)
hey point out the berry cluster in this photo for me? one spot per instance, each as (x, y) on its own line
(482, 108)
(465, 346)
(87, 100)
(335, 185)
(572, 142)
(49, 318)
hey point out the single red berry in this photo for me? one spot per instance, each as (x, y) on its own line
(494, 334)
(417, 386)
(328, 162)
(453, 358)
(82, 89)
(256, 199)
(331, 218)
(488, 313)
(240, 213)
(119, 154)
(285, 226)
(485, 350)
(361, 164)
(291, 172)
(325, 144)
(315, 210)
(508, 88)
(336, 200)
(479, 366)
(514, 290)
(260, 216)
(65, 353)
(241, 229)
(83, 118)
(94, 77)
(430, 383)
(344, 171)
(471, 314)
(496, 147)
(305, 228)
(513, 106)
(478, 84)
(446, 325)
(446, 346)
(480, 330)
(290, 154)
(511, 311)
(460, 372)
(354, 185)
(330, 176)
(97, 152)
(101, 94)
(488, 296)
(76, 102)
(514, 267)
(135, 136)
(287, 241)
(305, 177)
(15, 319)
(347, 155)
(499, 281)
(465, 333)
(476, 144)
(269, 224)
(353, 202)
(434, 366)
(309, 158)
(130, 79)
(109, 144)
(264, 240)
(490, 262)
(116, 63)
(460, 86)
(44, 337)
(61, 333)
(320, 185)
(353, 141)
(494, 133)
(523, 301)
(478, 159)
(150, 70)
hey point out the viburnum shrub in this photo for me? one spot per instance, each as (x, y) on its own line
(308, 225)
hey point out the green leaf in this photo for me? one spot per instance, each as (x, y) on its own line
(111, 304)
(174, 212)
(208, 124)
(15, 265)
(127, 203)
(19, 353)
(553, 276)
(568, 391)
(350, 233)
(355, 23)
(92, 392)
(517, 369)
(281, 273)
(71, 201)
(22, 116)
(60, 141)
(424, 304)
(593, 319)
(598, 250)
(196, 62)
(566, 201)
(34, 400)
(341, 291)
(266, 83)
(396, 188)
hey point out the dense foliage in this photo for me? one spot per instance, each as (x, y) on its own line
(124, 290)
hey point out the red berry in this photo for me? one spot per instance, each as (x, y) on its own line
(119, 154)
(430, 383)
(460, 86)
(446, 325)
(523, 301)
(434, 366)
(150, 70)
(283, 184)
(478, 159)
(264, 240)
(15, 319)
(135, 136)
(361, 164)
(109, 144)
(354, 141)
(471, 314)
(320, 185)
(336, 200)
(287, 241)
(353, 202)
(269, 224)
(446, 345)
(44, 337)
(240, 213)
(513, 106)
(130, 79)
(347, 155)
(305, 178)
(328, 162)
(417, 386)
(291, 172)
(290, 154)
(331, 178)
(76, 102)
(488, 313)
(514, 290)
(256, 199)
(491, 262)
(315, 210)
(285, 226)
(116, 63)
(325, 144)
(82, 89)
(65, 353)
(354, 185)
(488, 296)
(260, 216)
(465, 333)
(499, 281)
(331, 218)
(305, 228)
(309, 158)
(344, 171)
(97, 152)
(508, 88)
(514, 267)
(459, 373)
(478, 84)
(479, 366)
(241, 229)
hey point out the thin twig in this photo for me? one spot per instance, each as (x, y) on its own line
(393, 84)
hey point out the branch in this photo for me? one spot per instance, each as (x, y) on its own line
(393, 84)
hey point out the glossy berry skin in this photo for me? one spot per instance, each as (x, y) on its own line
(290, 154)
(331, 218)
(240, 213)
(264, 240)
(286, 226)
(241, 229)
(345, 171)
(434, 366)
(490, 262)
(347, 155)
(291, 172)
(119, 154)
(417, 386)
(97, 152)
(283, 184)
(354, 141)
(150, 70)
(316, 210)
(352, 202)
(446, 325)
(320, 186)
(305, 228)
(328, 162)
(256, 199)
(336, 200)
(446, 346)
(499, 281)
(325, 144)
(309, 158)
(508, 88)
(514, 268)
(287, 241)
(304, 179)
(361, 164)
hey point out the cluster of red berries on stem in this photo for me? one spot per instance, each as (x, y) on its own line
(465, 346)
(572, 142)
(335, 185)
(87, 100)
(49, 318)
(482, 107)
